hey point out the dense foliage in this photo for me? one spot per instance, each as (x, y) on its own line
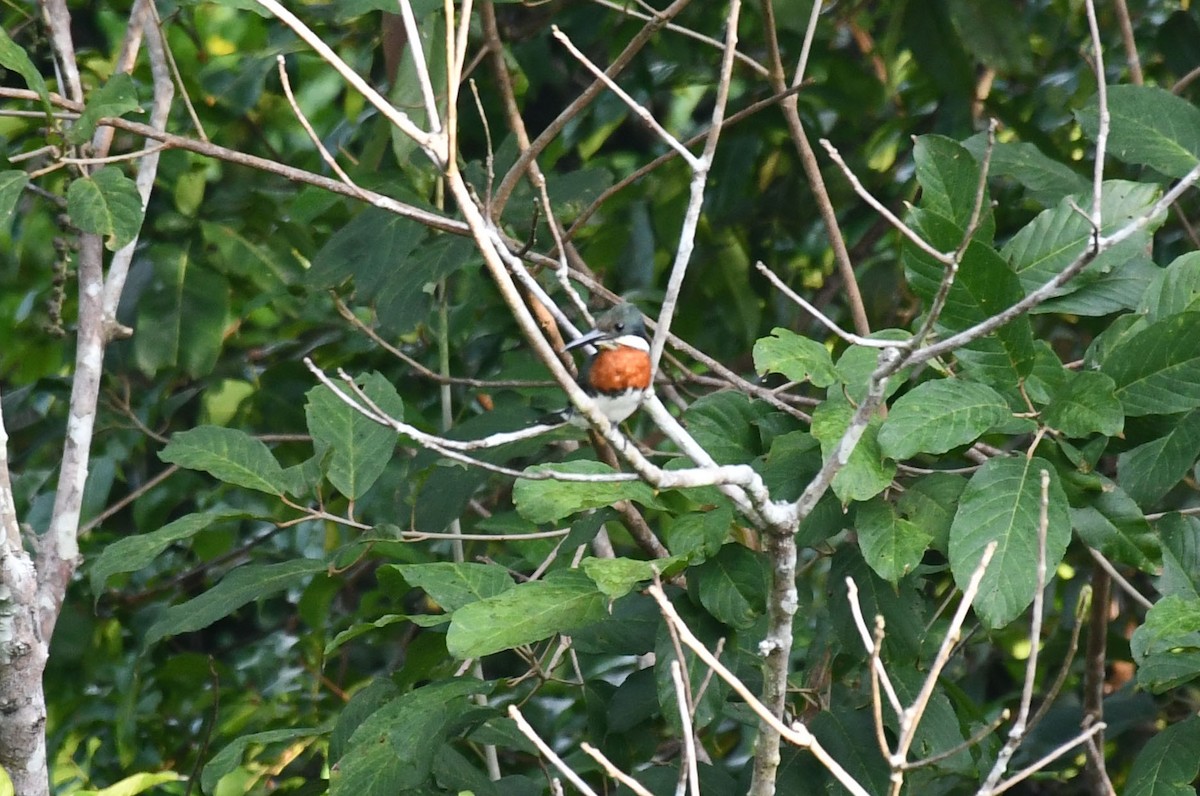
(270, 600)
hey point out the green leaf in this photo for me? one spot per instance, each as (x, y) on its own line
(949, 178)
(1166, 648)
(1114, 291)
(892, 546)
(723, 422)
(526, 613)
(181, 318)
(135, 784)
(390, 265)
(1181, 556)
(360, 447)
(454, 584)
(1174, 289)
(1086, 404)
(1059, 236)
(230, 756)
(134, 552)
(1002, 503)
(229, 455)
(867, 473)
(1167, 765)
(243, 585)
(985, 286)
(699, 534)
(795, 356)
(994, 33)
(1149, 126)
(929, 503)
(1150, 470)
(938, 416)
(1047, 180)
(393, 749)
(547, 500)
(616, 577)
(732, 585)
(106, 203)
(116, 97)
(1157, 370)
(12, 185)
(13, 57)
(1112, 523)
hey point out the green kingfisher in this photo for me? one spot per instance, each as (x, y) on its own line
(618, 376)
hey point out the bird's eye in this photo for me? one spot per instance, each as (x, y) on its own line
(620, 327)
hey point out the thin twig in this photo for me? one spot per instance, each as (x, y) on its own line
(685, 720)
(514, 713)
(328, 157)
(1127, 587)
(633, 105)
(1016, 733)
(865, 635)
(691, 216)
(613, 771)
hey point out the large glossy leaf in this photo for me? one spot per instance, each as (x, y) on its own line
(1157, 370)
(1047, 180)
(116, 97)
(134, 552)
(1002, 504)
(245, 584)
(892, 545)
(360, 448)
(937, 416)
(984, 286)
(454, 584)
(796, 357)
(524, 614)
(1167, 765)
(1166, 648)
(548, 500)
(12, 185)
(1112, 523)
(106, 203)
(868, 472)
(732, 585)
(14, 58)
(227, 454)
(394, 748)
(182, 315)
(1060, 236)
(1174, 289)
(949, 178)
(1152, 469)
(1149, 126)
(1086, 404)
(723, 422)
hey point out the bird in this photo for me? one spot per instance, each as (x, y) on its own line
(618, 376)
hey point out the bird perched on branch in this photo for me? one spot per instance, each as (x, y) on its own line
(618, 376)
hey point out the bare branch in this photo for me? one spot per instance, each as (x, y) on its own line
(691, 217)
(808, 158)
(1102, 133)
(326, 155)
(685, 721)
(646, 116)
(1119, 579)
(1016, 733)
(8, 509)
(514, 713)
(613, 771)
(868, 641)
(796, 734)
(432, 143)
